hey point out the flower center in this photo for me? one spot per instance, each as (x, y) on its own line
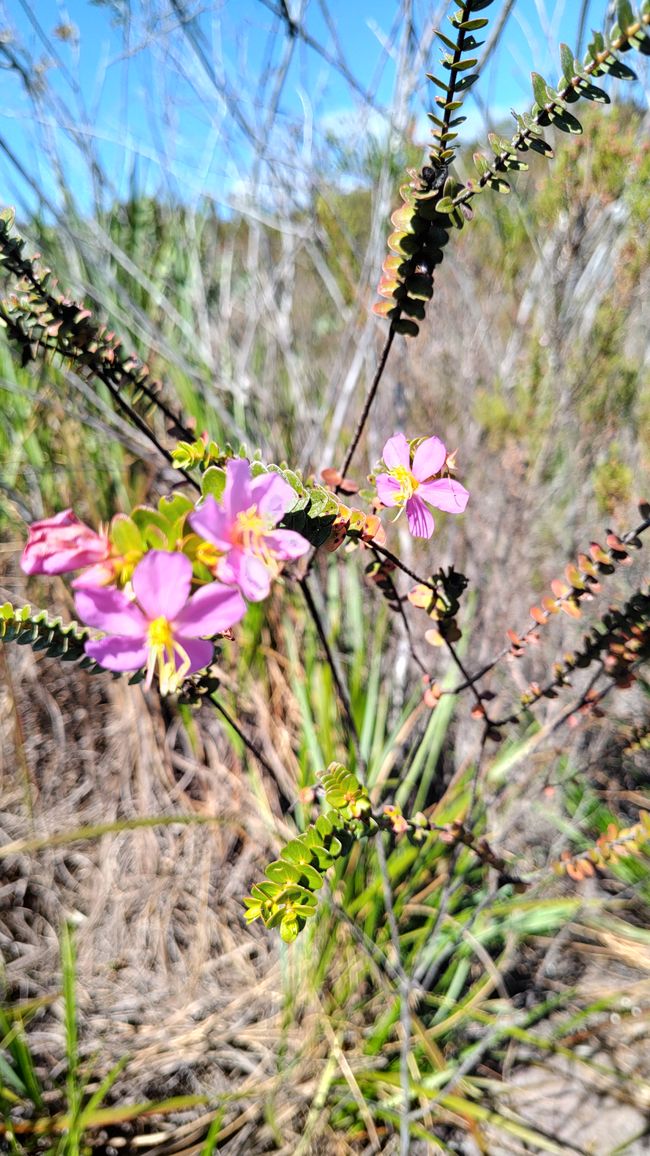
(163, 648)
(249, 533)
(407, 481)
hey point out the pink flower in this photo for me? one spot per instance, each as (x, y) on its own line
(165, 627)
(408, 484)
(62, 543)
(242, 528)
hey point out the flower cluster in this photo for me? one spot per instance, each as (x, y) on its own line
(161, 584)
(163, 616)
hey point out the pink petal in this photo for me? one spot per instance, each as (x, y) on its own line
(445, 494)
(212, 523)
(396, 452)
(286, 544)
(110, 610)
(248, 572)
(117, 653)
(273, 496)
(199, 653)
(62, 543)
(420, 520)
(100, 575)
(429, 459)
(161, 582)
(237, 495)
(63, 518)
(213, 609)
(388, 489)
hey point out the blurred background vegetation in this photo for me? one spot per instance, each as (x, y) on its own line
(139, 1012)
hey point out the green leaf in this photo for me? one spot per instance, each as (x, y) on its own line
(512, 162)
(471, 25)
(289, 928)
(592, 92)
(618, 70)
(566, 122)
(566, 61)
(445, 205)
(446, 41)
(624, 14)
(466, 82)
(213, 482)
(175, 508)
(539, 145)
(125, 535)
(499, 185)
(435, 80)
(459, 65)
(539, 89)
(280, 871)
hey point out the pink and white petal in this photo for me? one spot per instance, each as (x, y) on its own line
(238, 494)
(420, 520)
(227, 568)
(273, 496)
(117, 653)
(63, 518)
(286, 544)
(209, 521)
(213, 609)
(199, 653)
(161, 582)
(110, 610)
(445, 494)
(251, 575)
(100, 575)
(396, 452)
(429, 459)
(388, 489)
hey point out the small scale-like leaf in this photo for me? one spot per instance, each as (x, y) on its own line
(466, 82)
(406, 327)
(459, 65)
(451, 44)
(472, 25)
(125, 535)
(214, 482)
(618, 70)
(539, 145)
(539, 89)
(566, 121)
(499, 185)
(624, 14)
(566, 61)
(592, 92)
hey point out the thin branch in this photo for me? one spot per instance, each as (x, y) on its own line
(333, 665)
(369, 400)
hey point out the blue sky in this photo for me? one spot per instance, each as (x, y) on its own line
(160, 105)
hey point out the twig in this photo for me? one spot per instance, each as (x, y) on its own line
(333, 665)
(369, 400)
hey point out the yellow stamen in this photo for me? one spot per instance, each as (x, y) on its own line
(408, 484)
(163, 648)
(249, 533)
(207, 554)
